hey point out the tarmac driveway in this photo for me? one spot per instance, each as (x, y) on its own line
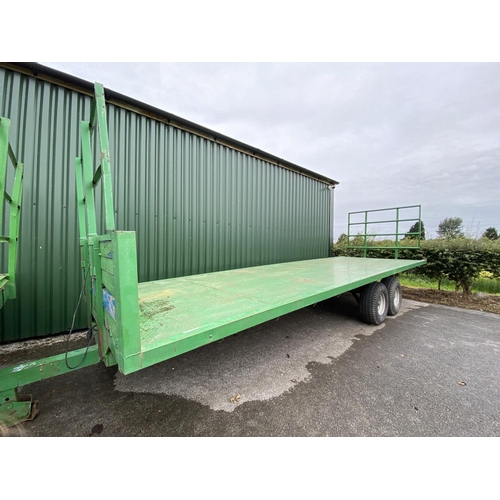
(430, 371)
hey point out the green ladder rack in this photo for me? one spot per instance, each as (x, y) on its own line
(8, 280)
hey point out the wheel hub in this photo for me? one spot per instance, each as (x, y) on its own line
(381, 305)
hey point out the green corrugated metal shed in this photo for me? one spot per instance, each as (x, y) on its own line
(199, 201)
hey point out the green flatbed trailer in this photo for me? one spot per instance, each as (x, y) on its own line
(137, 325)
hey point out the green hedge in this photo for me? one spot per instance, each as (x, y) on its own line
(460, 260)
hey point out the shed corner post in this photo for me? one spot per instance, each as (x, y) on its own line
(331, 188)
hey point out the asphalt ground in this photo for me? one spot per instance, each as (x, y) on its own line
(429, 371)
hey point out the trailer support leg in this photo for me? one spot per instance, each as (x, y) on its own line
(16, 408)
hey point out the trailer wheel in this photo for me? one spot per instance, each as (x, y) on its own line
(374, 303)
(395, 294)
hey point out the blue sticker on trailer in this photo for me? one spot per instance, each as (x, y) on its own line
(108, 301)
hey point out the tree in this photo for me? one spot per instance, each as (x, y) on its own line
(450, 227)
(414, 229)
(342, 239)
(491, 233)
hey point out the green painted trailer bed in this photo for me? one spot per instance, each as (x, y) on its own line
(197, 309)
(177, 315)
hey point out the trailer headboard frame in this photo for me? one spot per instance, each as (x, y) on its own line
(109, 261)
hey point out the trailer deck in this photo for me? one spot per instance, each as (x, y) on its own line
(180, 314)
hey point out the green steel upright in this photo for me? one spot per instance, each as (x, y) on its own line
(8, 279)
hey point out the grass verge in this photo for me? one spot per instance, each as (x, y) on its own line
(425, 290)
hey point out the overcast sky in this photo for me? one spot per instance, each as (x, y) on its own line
(391, 134)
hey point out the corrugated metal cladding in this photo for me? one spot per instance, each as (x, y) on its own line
(197, 206)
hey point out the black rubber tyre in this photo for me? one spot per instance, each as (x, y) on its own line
(374, 303)
(395, 294)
